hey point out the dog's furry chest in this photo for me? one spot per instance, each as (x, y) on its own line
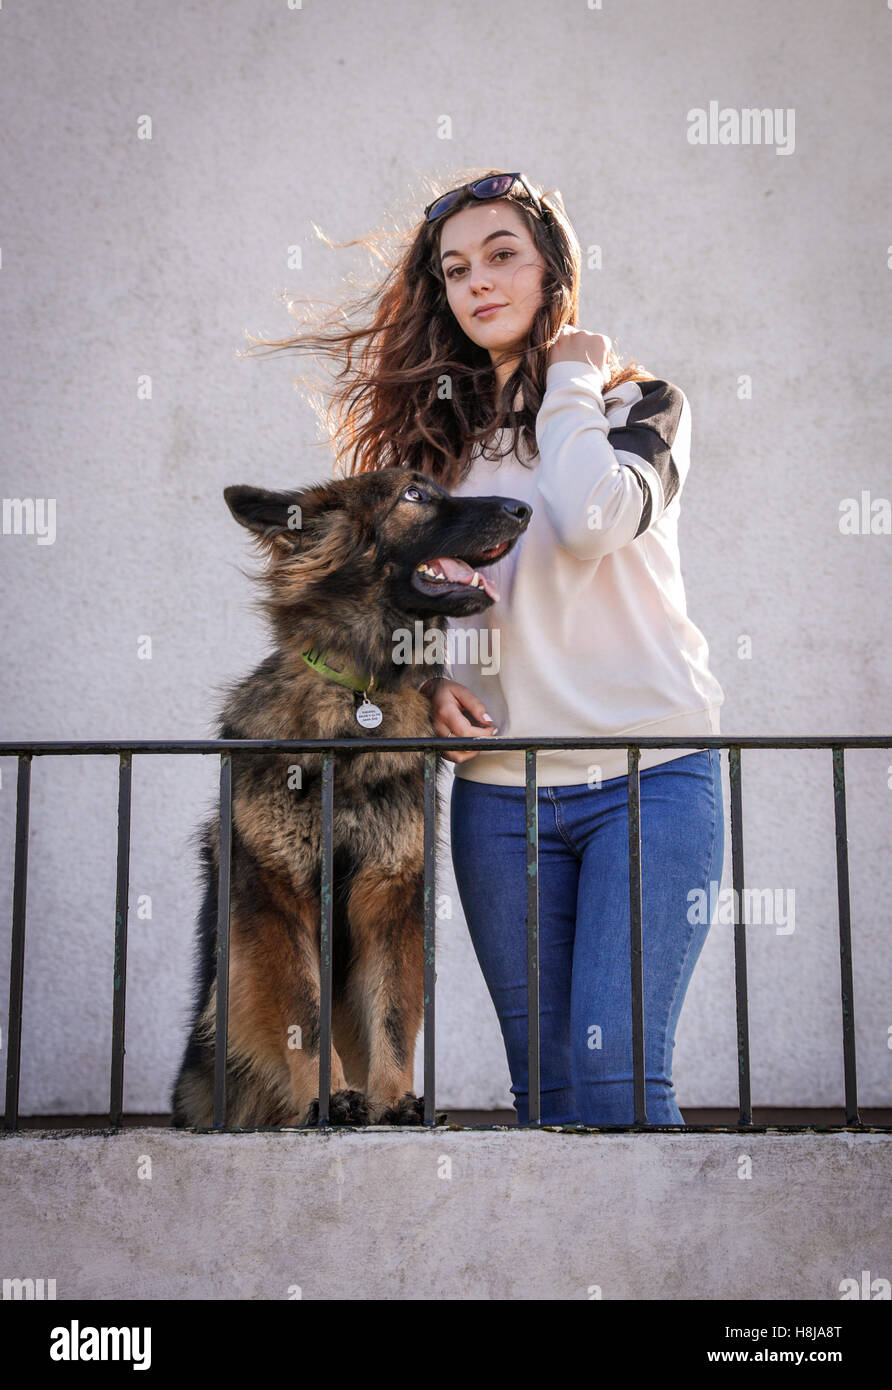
(277, 798)
(378, 811)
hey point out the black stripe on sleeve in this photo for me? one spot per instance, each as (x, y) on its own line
(647, 509)
(649, 431)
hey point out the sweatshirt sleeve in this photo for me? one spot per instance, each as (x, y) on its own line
(424, 673)
(601, 486)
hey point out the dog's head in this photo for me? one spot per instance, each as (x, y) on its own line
(392, 543)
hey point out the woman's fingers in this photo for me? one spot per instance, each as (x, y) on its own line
(576, 344)
(453, 714)
(455, 725)
(450, 720)
(467, 700)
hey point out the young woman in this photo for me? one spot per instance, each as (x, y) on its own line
(475, 371)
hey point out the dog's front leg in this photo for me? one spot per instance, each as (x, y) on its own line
(386, 984)
(301, 992)
(274, 1018)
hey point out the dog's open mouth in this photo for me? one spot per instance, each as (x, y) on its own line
(450, 572)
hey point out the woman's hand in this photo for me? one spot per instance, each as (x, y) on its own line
(449, 703)
(575, 345)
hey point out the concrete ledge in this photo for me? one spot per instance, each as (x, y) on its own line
(434, 1214)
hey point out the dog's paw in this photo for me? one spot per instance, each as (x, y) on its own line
(408, 1111)
(345, 1108)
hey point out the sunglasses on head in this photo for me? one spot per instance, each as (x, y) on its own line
(494, 186)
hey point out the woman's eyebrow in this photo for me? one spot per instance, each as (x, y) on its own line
(503, 232)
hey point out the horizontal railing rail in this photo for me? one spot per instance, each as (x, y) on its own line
(24, 751)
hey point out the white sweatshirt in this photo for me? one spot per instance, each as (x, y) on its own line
(590, 635)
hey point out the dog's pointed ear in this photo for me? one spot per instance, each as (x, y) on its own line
(274, 517)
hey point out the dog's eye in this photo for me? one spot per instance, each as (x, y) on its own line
(414, 494)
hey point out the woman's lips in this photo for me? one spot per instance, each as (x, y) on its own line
(486, 313)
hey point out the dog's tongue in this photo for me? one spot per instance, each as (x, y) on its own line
(460, 573)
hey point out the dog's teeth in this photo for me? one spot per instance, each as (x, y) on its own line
(434, 574)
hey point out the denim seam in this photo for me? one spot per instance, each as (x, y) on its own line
(665, 1063)
(559, 823)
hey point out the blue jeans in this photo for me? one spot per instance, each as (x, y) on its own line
(585, 999)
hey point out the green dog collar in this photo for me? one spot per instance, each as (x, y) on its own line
(342, 675)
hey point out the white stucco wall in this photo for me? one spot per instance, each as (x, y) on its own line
(124, 257)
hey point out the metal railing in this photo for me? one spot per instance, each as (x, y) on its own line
(226, 748)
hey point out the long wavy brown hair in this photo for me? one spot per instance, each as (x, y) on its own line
(414, 391)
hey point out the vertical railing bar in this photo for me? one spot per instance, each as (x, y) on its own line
(221, 1038)
(430, 974)
(845, 937)
(325, 928)
(17, 958)
(122, 897)
(534, 1099)
(636, 960)
(740, 980)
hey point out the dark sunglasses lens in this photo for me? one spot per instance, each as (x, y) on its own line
(495, 187)
(443, 204)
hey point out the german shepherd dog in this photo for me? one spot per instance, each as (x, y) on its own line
(349, 562)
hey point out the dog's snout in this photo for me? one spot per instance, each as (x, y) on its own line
(520, 511)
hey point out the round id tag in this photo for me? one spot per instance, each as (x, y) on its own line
(368, 715)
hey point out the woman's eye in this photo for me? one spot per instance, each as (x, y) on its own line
(452, 273)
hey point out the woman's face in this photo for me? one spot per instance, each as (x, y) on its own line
(488, 257)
